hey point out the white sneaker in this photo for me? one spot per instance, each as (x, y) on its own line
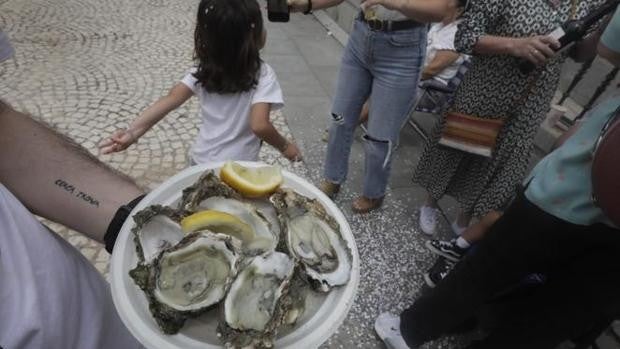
(387, 327)
(428, 219)
(457, 229)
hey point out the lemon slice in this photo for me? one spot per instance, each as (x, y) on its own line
(219, 222)
(251, 181)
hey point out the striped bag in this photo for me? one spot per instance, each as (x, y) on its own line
(470, 134)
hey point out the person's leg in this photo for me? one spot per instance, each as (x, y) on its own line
(582, 292)
(520, 242)
(354, 83)
(365, 113)
(477, 231)
(396, 65)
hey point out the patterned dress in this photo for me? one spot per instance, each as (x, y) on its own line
(492, 88)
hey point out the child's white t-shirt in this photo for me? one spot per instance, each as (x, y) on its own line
(225, 132)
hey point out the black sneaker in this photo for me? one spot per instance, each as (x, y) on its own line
(447, 249)
(438, 271)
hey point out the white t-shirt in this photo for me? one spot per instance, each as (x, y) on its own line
(50, 295)
(225, 133)
(441, 37)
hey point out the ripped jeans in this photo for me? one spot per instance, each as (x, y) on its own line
(385, 66)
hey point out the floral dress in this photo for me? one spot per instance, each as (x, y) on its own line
(492, 88)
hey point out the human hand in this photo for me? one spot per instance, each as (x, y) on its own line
(298, 5)
(388, 4)
(118, 141)
(291, 152)
(536, 49)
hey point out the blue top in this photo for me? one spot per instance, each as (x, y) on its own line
(611, 36)
(561, 183)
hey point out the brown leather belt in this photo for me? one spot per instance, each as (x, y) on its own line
(389, 26)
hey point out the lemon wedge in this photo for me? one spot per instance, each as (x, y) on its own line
(251, 181)
(219, 222)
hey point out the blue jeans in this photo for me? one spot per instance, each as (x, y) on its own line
(385, 66)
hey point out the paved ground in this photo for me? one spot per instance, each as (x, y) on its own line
(87, 67)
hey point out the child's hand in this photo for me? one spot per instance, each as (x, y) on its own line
(291, 152)
(118, 141)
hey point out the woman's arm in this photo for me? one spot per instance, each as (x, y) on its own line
(121, 139)
(442, 60)
(536, 49)
(56, 178)
(304, 5)
(423, 11)
(264, 129)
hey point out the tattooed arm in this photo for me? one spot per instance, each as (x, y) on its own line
(56, 178)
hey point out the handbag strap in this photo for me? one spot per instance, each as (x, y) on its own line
(606, 127)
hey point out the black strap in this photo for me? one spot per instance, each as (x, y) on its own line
(309, 9)
(117, 223)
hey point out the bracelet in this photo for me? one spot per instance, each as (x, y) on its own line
(309, 9)
(117, 223)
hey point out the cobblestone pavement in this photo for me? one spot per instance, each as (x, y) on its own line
(87, 67)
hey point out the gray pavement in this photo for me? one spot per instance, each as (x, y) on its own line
(87, 66)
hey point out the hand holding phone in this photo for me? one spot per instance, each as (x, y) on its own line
(277, 11)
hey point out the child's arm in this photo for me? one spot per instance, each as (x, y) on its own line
(263, 129)
(123, 138)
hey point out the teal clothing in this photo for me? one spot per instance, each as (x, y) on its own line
(561, 183)
(611, 36)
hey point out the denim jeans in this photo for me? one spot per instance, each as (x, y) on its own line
(385, 66)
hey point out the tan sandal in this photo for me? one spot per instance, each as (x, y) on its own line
(330, 189)
(364, 205)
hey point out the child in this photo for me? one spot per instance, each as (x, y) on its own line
(237, 90)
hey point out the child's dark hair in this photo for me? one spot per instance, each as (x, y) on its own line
(226, 45)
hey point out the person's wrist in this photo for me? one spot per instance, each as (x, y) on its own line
(511, 46)
(121, 215)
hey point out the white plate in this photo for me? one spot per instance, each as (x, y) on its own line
(323, 315)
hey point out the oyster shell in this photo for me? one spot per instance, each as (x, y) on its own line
(210, 193)
(313, 238)
(157, 228)
(256, 304)
(187, 279)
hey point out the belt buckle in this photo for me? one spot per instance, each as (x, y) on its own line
(376, 24)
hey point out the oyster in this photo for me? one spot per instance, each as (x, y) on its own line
(185, 280)
(157, 228)
(256, 304)
(210, 193)
(313, 238)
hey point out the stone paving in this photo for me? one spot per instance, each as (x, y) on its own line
(87, 67)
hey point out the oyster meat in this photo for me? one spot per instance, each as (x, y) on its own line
(210, 193)
(157, 228)
(313, 238)
(185, 280)
(256, 304)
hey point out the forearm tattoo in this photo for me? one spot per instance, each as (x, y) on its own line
(71, 189)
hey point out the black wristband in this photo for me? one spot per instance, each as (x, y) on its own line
(309, 10)
(117, 223)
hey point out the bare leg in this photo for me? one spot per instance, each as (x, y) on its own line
(430, 202)
(463, 219)
(364, 114)
(477, 231)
